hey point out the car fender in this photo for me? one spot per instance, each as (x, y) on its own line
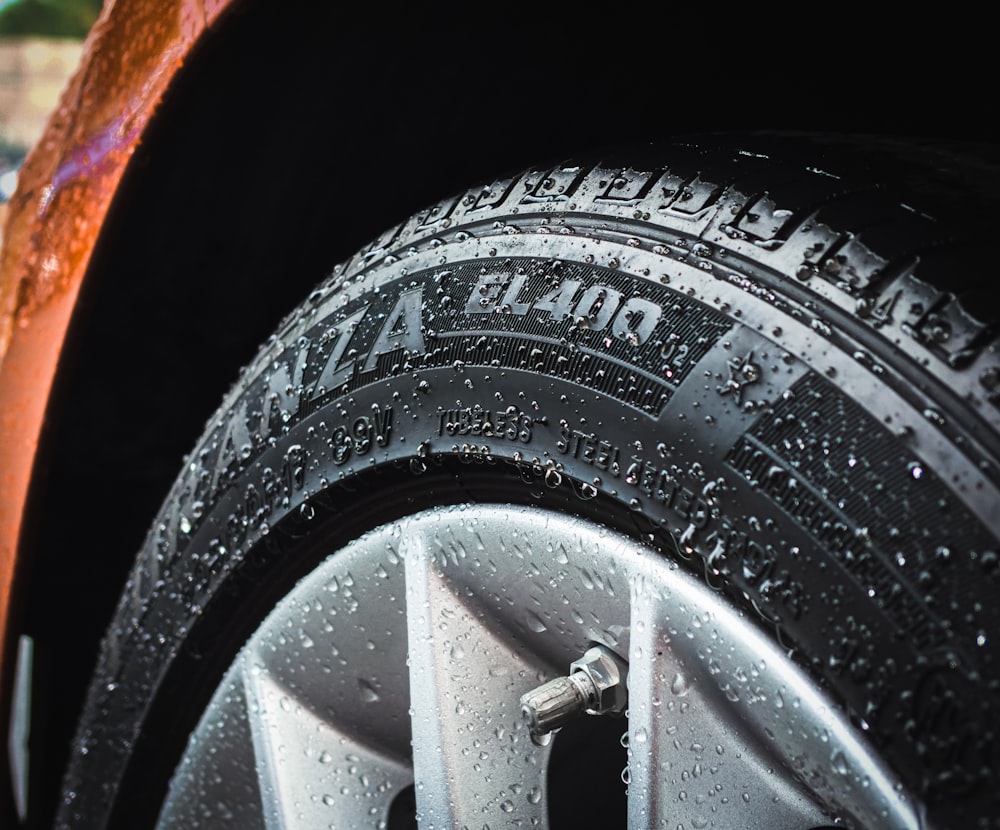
(66, 188)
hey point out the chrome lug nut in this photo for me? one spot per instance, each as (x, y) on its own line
(596, 685)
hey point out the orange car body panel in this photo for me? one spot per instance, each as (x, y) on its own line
(65, 190)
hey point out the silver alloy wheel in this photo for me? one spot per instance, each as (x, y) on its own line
(401, 660)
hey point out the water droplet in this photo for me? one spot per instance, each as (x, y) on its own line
(369, 694)
(839, 763)
(680, 685)
(935, 416)
(541, 740)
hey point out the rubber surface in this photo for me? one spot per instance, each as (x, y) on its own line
(773, 357)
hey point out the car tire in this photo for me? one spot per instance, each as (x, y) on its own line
(769, 361)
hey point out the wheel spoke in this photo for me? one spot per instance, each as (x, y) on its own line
(687, 765)
(473, 760)
(341, 650)
(311, 774)
(220, 789)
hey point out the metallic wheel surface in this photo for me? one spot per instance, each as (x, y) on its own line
(397, 666)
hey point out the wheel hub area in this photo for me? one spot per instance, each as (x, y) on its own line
(401, 661)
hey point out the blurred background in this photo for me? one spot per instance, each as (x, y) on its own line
(40, 46)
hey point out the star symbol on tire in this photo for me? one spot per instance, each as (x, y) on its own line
(742, 372)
